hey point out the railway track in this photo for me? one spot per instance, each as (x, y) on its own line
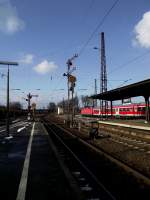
(132, 148)
(98, 177)
(132, 142)
(90, 186)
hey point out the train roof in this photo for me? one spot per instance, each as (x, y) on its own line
(126, 105)
(133, 90)
(121, 105)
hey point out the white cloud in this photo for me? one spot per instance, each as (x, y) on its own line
(45, 67)
(9, 20)
(27, 59)
(142, 31)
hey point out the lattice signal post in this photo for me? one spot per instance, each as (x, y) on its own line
(29, 97)
(68, 75)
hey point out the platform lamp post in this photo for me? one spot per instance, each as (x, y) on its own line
(8, 63)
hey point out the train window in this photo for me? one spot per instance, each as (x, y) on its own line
(141, 108)
(96, 111)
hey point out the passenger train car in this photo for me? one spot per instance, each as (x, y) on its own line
(120, 111)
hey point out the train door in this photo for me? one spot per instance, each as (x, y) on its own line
(117, 115)
(117, 111)
(135, 111)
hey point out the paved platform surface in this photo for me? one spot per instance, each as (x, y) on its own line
(28, 167)
(127, 124)
(130, 123)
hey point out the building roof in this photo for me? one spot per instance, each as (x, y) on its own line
(141, 88)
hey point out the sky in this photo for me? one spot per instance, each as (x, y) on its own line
(41, 35)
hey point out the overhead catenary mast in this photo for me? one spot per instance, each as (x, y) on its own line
(103, 75)
(95, 91)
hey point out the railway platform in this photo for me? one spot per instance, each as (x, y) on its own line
(129, 124)
(127, 153)
(31, 164)
(29, 168)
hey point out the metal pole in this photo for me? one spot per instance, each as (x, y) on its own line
(7, 119)
(95, 92)
(7, 115)
(103, 76)
(63, 106)
(111, 109)
(69, 63)
(146, 108)
(29, 104)
(72, 107)
(68, 113)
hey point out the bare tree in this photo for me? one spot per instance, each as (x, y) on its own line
(86, 101)
(15, 105)
(51, 107)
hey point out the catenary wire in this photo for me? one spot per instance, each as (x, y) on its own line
(97, 27)
(129, 62)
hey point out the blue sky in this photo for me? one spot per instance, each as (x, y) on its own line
(42, 34)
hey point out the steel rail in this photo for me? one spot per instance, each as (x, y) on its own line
(92, 176)
(112, 158)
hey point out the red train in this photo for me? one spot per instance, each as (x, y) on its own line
(120, 111)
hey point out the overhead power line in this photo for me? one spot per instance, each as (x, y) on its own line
(129, 62)
(97, 27)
